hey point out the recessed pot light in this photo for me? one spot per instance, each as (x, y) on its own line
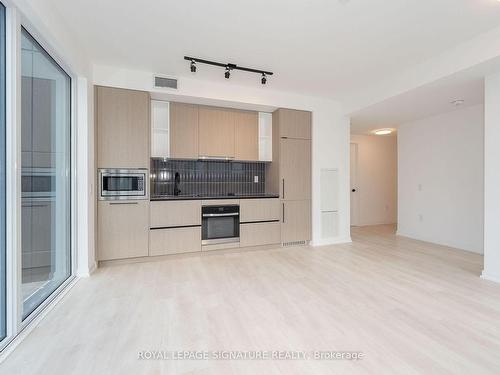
(383, 131)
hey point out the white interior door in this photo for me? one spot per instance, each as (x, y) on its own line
(354, 186)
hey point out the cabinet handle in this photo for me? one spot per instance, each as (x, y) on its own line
(283, 205)
(283, 183)
(122, 203)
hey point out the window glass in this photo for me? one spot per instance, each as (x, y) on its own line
(45, 174)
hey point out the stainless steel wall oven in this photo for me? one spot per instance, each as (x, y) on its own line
(220, 224)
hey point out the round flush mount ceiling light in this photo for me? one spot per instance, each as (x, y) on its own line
(383, 131)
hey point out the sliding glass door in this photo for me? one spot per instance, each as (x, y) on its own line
(45, 174)
(3, 250)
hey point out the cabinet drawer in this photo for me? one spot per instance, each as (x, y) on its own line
(256, 234)
(220, 202)
(252, 210)
(174, 241)
(175, 213)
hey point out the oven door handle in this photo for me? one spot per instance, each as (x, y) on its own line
(221, 215)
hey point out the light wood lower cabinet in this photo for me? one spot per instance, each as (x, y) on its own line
(295, 169)
(259, 209)
(296, 222)
(257, 234)
(123, 229)
(174, 241)
(175, 213)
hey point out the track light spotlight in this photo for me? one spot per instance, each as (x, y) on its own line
(228, 67)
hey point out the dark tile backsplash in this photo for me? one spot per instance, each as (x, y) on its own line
(207, 177)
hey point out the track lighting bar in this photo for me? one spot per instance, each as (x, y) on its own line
(228, 67)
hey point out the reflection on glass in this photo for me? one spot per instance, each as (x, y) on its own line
(3, 273)
(45, 176)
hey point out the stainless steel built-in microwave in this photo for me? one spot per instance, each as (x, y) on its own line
(123, 184)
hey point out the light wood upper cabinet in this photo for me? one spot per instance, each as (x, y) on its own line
(295, 124)
(212, 132)
(246, 135)
(295, 169)
(296, 221)
(183, 131)
(122, 128)
(216, 132)
(123, 229)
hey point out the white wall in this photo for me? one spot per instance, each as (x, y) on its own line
(492, 178)
(330, 128)
(376, 180)
(440, 179)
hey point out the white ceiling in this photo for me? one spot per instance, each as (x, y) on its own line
(316, 47)
(422, 102)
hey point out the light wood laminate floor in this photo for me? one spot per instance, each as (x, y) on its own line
(411, 308)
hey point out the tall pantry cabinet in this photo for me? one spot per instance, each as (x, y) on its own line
(122, 135)
(290, 173)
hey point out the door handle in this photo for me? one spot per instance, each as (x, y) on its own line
(283, 183)
(283, 205)
(122, 203)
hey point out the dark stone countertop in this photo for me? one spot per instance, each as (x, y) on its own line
(202, 197)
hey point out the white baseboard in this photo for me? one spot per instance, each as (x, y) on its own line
(430, 240)
(374, 224)
(485, 276)
(330, 241)
(89, 271)
(93, 268)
